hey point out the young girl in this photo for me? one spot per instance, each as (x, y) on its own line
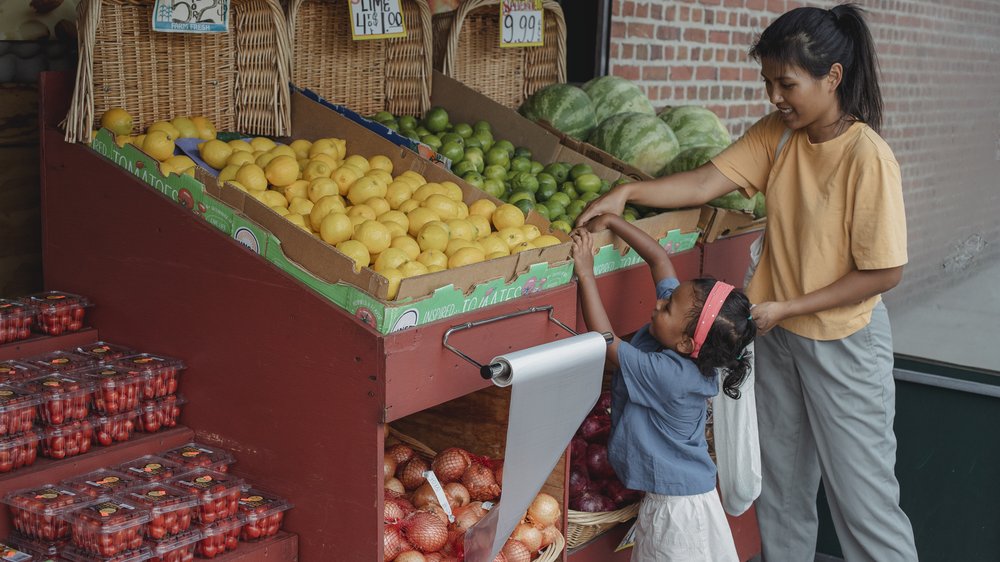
(663, 378)
(835, 241)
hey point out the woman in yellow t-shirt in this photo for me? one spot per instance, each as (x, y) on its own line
(835, 241)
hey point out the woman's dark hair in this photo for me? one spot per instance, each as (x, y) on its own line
(730, 334)
(814, 39)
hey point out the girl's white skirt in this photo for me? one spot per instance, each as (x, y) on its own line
(683, 528)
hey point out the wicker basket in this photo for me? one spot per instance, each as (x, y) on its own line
(467, 48)
(367, 76)
(553, 552)
(238, 80)
(581, 526)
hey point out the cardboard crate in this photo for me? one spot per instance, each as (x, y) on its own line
(715, 223)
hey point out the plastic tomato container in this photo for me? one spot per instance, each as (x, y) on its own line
(116, 428)
(104, 351)
(37, 513)
(102, 482)
(176, 549)
(67, 440)
(109, 527)
(16, 371)
(57, 312)
(76, 554)
(196, 455)
(116, 389)
(170, 509)
(41, 551)
(219, 538)
(15, 320)
(151, 468)
(18, 409)
(61, 361)
(64, 397)
(159, 373)
(20, 450)
(218, 493)
(263, 513)
(9, 553)
(162, 413)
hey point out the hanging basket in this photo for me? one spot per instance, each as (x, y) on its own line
(238, 80)
(467, 48)
(367, 76)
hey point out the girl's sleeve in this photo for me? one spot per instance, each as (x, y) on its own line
(878, 230)
(647, 376)
(747, 162)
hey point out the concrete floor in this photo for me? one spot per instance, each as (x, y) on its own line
(958, 325)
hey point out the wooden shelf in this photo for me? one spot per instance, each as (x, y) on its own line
(40, 343)
(283, 547)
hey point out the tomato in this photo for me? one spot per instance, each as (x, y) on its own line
(57, 312)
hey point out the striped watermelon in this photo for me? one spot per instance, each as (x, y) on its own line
(613, 95)
(637, 138)
(736, 201)
(565, 107)
(690, 159)
(695, 126)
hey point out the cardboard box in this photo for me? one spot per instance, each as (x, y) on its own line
(716, 223)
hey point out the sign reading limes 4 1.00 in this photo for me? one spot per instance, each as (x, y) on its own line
(521, 23)
(376, 19)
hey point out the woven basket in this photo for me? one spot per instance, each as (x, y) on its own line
(553, 552)
(581, 526)
(367, 76)
(238, 80)
(467, 48)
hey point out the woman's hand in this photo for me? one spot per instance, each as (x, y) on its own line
(599, 223)
(767, 315)
(583, 252)
(612, 202)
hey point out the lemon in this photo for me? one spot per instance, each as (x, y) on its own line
(406, 244)
(424, 192)
(298, 220)
(264, 159)
(323, 207)
(262, 144)
(122, 140)
(418, 218)
(493, 244)
(432, 258)
(396, 229)
(463, 209)
(321, 187)
(118, 121)
(383, 177)
(390, 258)
(345, 176)
(332, 161)
(166, 128)
(302, 162)
(301, 147)
(241, 145)
(452, 190)
(415, 179)
(206, 130)
(507, 216)
(482, 208)
(462, 228)
(408, 206)
(394, 276)
(511, 236)
(363, 189)
(215, 153)
(466, 256)
(238, 185)
(358, 161)
(412, 269)
(482, 225)
(497, 255)
(397, 217)
(299, 188)
(283, 211)
(374, 235)
(166, 169)
(379, 205)
(546, 240)
(138, 140)
(335, 228)
(361, 213)
(272, 199)
(323, 146)
(397, 192)
(316, 169)
(239, 157)
(180, 162)
(341, 146)
(380, 162)
(300, 205)
(530, 232)
(283, 170)
(442, 206)
(252, 176)
(522, 247)
(432, 236)
(158, 145)
(357, 252)
(283, 150)
(185, 126)
(457, 244)
(228, 173)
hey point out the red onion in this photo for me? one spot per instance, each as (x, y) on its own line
(544, 511)
(621, 495)
(400, 452)
(595, 429)
(450, 464)
(597, 462)
(481, 483)
(424, 531)
(457, 494)
(578, 451)
(411, 473)
(603, 406)
(528, 535)
(515, 551)
(592, 503)
(578, 481)
(394, 542)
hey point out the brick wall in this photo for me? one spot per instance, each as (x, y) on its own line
(940, 63)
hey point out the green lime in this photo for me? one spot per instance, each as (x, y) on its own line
(562, 225)
(473, 142)
(579, 170)
(588, 197)
(524, 182)
(421, 130)
(587, 183)
(547, 186)
(485, 139)
(392, 125)
(570, 190)
(452, 137)
(542, 209)
(605, 186)
(498, 156)
(526, 205)
(436, 120)
(536, 167)
(482, 126)
(383, 117)
(494, 187)
(507, 146)
(621, 181)
(475, 156)
(522, 152)
(629, 216)
(518, 195)
(463, 168)
(452, 151)
(474, 178)
(495, 171)
(575, 208)
(520, 164)
(558, 170)
(410, 135)
(432, 141)
(463, 129)
(555, 208)
(560, 198)
(407, 122)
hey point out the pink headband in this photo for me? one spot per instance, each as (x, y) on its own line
(713, 304)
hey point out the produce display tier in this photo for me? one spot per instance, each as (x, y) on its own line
(38, 344)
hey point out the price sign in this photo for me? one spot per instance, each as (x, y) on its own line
(521, 23)
(191, 16)
(376, 19)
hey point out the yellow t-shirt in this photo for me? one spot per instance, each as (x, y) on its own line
(832, 208)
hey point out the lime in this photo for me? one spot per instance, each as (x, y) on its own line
(575, 208)
(482, 126)
(383, 117)
(475, 156)
(432, 141)
(522, 152)
(453, 137)
(474, 178)
(547, 186)
(520, 164)
(463, 168)
(494, 187)
(495, 171)
(587, 183)
(588, 197)
(621, 181)
(558, 170)
(498, 156)
(392, 125)
(555, 208)
(536, 167)
(407, 122)
(542, 209)
(518, 195)
(579, 170)
(410, 135)
(524, 182)
(463, 129)
(559, 198)
(507, 146)
(473, 142)
(452, 151)
(605, 186)
(629, 216)
(436, 120)
(485, 139)
(526, 205)
(561, 225)
(421, 130)
(570, 190)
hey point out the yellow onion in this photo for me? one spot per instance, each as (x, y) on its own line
(467, 516)
(438, 512)
(450, 464)
(411, 556)
(400, 452)
(411, 473)
(457, 494)
(481, 483)
(424, 496)
(394, 542)
(424, 531)
(528, 535)
(544, 511)
(516, 551)
(388, 466)
(550, 535)
(394, 485)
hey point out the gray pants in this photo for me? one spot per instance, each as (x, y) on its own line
(825, 409)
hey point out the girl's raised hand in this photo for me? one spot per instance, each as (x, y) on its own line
(612, 202)
(583, 252)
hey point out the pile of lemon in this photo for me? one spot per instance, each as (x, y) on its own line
(158, 140)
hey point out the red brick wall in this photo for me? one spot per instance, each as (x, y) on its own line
(940, 63)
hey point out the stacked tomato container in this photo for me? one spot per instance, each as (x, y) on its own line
(159, 405)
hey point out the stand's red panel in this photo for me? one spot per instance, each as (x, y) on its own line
(727, 259)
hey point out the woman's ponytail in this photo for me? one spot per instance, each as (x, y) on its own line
(859, 92)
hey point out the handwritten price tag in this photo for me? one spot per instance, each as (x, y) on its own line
(376, 19)
(521, 23)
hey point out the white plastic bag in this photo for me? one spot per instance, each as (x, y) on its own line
(737, 447)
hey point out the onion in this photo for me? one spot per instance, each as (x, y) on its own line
(411, 473)
(578, 481)
(621, 495)
(450, 464)
(498, 473)
(392, 512)
(500, 557)
(424, 531)
(411, 556)
(385, 431)
(438, 512)
(424, 496)
(467, 516)
(592, 503)
(433, 557)
(394, 485)
(549, 536)
(457, 494)
(578, 451)
(528, 535)
(388, 466)
(603, 406)
(595, 429)
(481, 483)
(544, 511)
(597, 462)
(516, 551)
(400, 452)
(394, 542)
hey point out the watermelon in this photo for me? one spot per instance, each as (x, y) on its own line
(637, 138)
(690, 159)
(612, 95)
(565, 107)
(695, 126)
(759, 208)
(735, 201)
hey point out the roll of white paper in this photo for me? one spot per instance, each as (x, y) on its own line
(555, 385)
